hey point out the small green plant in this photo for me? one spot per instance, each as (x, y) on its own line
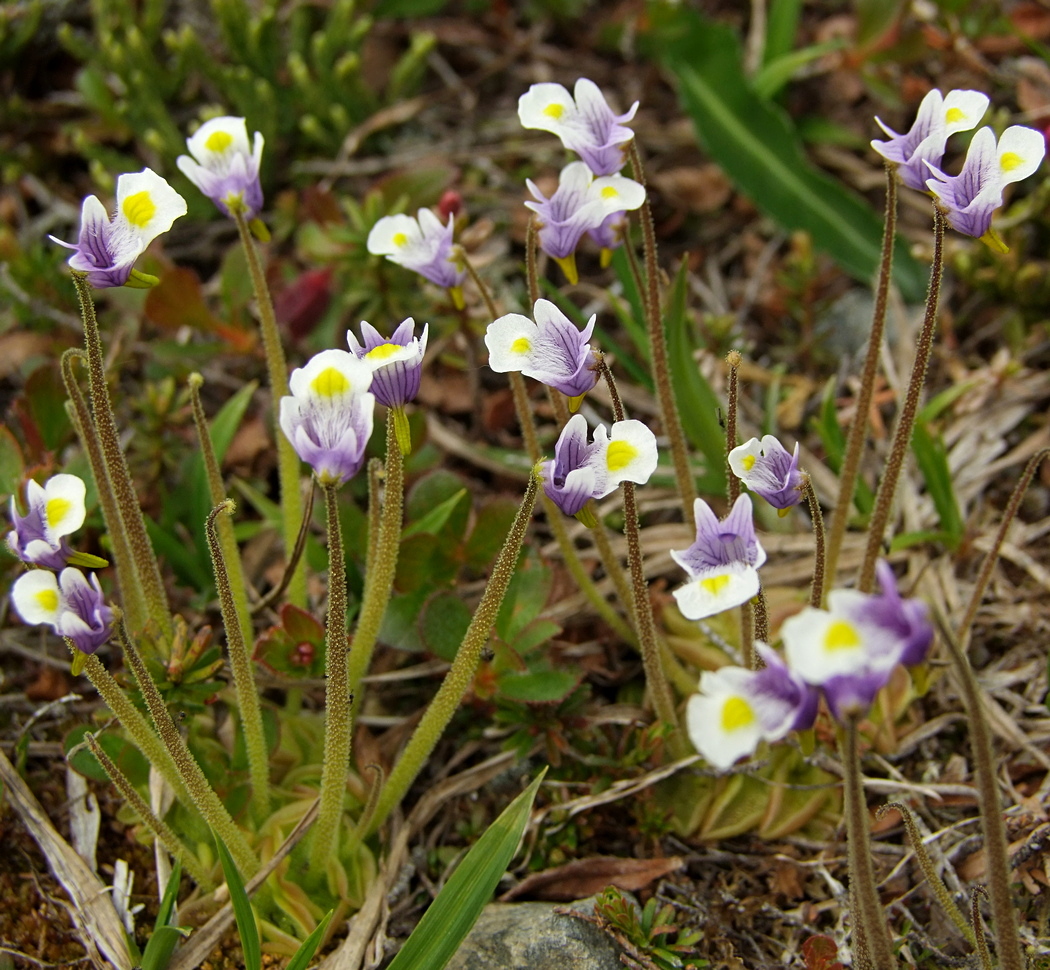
(652, 935)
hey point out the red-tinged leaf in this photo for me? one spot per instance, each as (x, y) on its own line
(585, 877)
(177, 301)
(300, 625)
(300, 306)
(821, 953)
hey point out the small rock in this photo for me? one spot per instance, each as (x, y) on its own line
(532, 936)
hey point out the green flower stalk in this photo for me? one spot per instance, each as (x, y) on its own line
(277, 371)
(145, 568)
(240, 662)
(338, 699)
(203, 795)
(816, 596)
(382, 564)
(458, 679)
(160, 829)
(131, 592)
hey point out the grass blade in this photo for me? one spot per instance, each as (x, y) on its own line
(457, 907)
(242, 909)
(306, 950)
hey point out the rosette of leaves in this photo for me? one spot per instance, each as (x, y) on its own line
(294, 648)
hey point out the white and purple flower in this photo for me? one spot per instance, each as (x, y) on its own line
(768, 469)
(580, 204)
(585, 124)
(969, 198)
(396, 361)
(72, 605)
(737, 708)
(851, 648)
(54, 510)
(938, 117)
(328, 416)
(224, 166)
(582, 470)
(722, 563)
(550, 350)
(423, 245)
(106, 249)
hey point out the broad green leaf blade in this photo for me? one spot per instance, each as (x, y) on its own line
(306, 951)
(757, 146)
(455, 910)
(242, 909)
(698, 405)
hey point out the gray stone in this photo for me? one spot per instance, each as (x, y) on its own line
(532, 936)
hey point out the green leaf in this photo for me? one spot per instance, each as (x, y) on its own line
(455, 910)
(698, 406)
(12, 464)
(437, 518)
(781, 29)
(443, 624)
(491, 526)
(757, 146)
(129, 760)
(777, 72)
(932, 458)
(242, 909)
(525, 598)
(538, 686)
(162, 942)
(306, 950)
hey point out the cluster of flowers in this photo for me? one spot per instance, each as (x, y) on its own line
(69, 602)
(969, 198)
(592, 198)
(846, 652)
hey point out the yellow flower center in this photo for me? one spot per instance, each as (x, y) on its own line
(609, 192)
(521, 346)
(841, 636)
(330, 382)
(56, 510)
(748, 461)
(218, 141)
(383, 351)
(736, 714)
(139, 209)
(953, 115)
(400, 239)
(48, 599)
(620, 455)
(554, 111)
(1008, 161)
(715, 584)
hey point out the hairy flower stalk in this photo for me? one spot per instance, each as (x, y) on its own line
(134, 722)
(338, 699)
(145, 568)
(906, 418)
(203, 795)
(733, 361)
(997, 859)
(862, 409)
(816, 595)
(160, 829)
(240, 662)
(131, 592)
(381, 567)
(231, 558)
(277, 372)
(655, 678)
(665, 395)
(457, 680)
(863, 886)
